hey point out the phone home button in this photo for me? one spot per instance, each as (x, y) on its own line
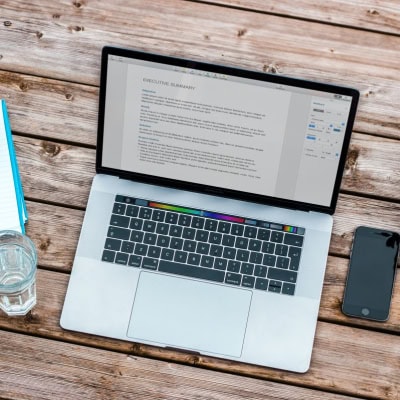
(365, 311)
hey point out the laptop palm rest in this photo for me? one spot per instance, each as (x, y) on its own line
(184, 313)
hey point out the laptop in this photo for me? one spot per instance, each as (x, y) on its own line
(209, 219)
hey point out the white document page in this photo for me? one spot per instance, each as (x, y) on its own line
(209, 131)
(9, 216)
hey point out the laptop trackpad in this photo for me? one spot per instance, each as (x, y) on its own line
(183, 313)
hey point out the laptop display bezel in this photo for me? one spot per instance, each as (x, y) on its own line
(222, 69)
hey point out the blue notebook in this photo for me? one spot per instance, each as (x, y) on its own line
(13, 214)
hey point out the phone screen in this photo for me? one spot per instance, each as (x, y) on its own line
(371, 274)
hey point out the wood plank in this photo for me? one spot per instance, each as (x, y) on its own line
(382, 16)
(63, 173)
(58, 34)
(374, 369)
(83, 372)
(50, 108)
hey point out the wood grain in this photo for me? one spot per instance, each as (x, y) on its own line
(382, 16)
(374, 368)
(366, 60)
(81, 372)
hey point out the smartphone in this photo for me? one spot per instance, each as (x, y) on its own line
(371, 274)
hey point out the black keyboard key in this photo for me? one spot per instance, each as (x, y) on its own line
(293, 240)
(119, 220)
(154, 251)
(294, 264)
(207, 261)
(141, 249)
(229, 253)
(247, 268)
(193, 259)
(180, 256)
(288, 288)
(184, 220)
(294, 252)
(149, 226)
(237, 229)
(163, 240)
(256, 258)
(281, 250)
(233, 266)
(211, 225)
(136, 223)
(171, 218)
(276, 237)
(190, 245)
(282, 275)
(224, 227)
(250, 232)
(162, 228)
(255, 245)
(137, 236)
(175, 231)
(215, 238)
(119, 208)
(191, 271)
(260, 270)
(228, 240)
(132, 211)
(121, 258)
(158, 215)
(188, 233)
(241, 243)
(149, 263)
(268, 247)
(145, 213)
(197, 222)
(269, 260)
(150, 238)
(135, 261)
(263, 234)
(261, 284)
(118, 233)
(232, 278)
(248, 281)
(242, 255)
(282, 262)
(220, 263)
(274, 286)
(113, 244)
(203, 248)
(202, 236)
(127, 247)
(216, 251)
(176, 243)
(167, 254)
(108, 255)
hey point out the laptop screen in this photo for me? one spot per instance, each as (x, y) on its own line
(240, 132)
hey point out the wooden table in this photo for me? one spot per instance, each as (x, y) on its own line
(49, 75)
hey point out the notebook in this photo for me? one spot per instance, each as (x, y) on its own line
(13, 213)
(209, 219)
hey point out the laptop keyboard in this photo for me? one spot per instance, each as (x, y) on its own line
(205, 245)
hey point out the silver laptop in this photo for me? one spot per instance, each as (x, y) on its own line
(209, 219)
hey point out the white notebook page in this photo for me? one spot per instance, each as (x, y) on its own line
(9, 217)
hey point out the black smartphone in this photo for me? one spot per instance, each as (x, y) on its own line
(370, 278)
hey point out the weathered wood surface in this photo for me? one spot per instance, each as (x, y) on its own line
(382, 16)
(49, 72)
(337, 350)
(36, 31)
(80, 372)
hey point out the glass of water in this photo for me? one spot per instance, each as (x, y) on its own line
(18, 260)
